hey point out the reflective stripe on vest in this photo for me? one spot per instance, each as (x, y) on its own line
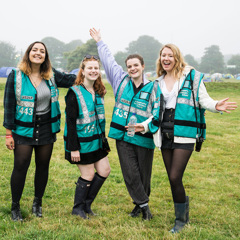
(25, 105)
(87, 124)
(126, 105)
(185, 122)
(19, 90)
(87, 118)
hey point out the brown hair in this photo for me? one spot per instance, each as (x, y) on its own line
(98, 84)
(135, 56)
(45, 68)
(179, 61)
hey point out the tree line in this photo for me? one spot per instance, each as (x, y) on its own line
(68, 56)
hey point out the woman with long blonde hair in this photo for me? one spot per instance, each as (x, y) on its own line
(183, 124)
(84, 134)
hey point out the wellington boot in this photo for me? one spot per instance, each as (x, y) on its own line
(181, 217)
(96, 184)
(82, 188)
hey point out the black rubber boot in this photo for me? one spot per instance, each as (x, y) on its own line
(37, 207)
(82, 188)
(181, 217)
(16, 212)
(136, 211)
(96, 184)
(146, 214)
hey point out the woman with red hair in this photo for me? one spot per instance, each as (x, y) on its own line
(84, 134)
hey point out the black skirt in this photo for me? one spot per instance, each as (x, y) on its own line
(168, 123)
(42, 132)
(87, 158)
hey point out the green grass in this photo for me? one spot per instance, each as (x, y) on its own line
(211, 180)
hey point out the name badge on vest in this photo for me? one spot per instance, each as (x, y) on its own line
(26, 97)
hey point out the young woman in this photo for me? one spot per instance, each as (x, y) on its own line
(32, 119)
(185, 101)
(134, 94)
(84, 129)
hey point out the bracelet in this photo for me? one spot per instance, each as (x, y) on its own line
(8, 136)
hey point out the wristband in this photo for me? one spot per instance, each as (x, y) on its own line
(8, 136)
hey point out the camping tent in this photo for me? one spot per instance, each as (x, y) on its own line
(4, 71)
(216, 76)
(75, 71)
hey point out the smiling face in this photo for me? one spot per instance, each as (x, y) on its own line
(167, 59)
(91, 70)
(37, 54)
(134, 68)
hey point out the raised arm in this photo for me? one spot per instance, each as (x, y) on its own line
(114, 72)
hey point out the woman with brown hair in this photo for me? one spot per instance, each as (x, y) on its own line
(84, 134)
(32, 119)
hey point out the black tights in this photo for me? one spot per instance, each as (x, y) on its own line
(22, 159)
(175, 161)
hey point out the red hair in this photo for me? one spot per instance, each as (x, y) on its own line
(98, 85)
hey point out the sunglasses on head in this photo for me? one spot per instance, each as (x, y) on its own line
(91, 56)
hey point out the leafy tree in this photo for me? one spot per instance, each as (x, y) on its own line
(191, 61)
(55, 49)
(212, 61)
(148, 47)
(234, 60)
(120, 58)
(72, 45)
(8, 55)
(75, 57)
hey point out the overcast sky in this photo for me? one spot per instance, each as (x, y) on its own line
(192, 25)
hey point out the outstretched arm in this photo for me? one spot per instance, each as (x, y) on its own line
(114, 72)
(224, 106)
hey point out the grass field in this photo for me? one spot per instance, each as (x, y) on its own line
(211, 179)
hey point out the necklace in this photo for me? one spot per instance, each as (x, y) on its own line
(36, 82)
(90, 90)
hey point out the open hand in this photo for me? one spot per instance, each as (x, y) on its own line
(96, 35)
(224, 106)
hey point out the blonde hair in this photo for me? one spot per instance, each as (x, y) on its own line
(179, 61)
(45, 68)
(98, 85)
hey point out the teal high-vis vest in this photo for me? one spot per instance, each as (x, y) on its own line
(189, 118)
(87, 123)
(26, 99)
(145, 104)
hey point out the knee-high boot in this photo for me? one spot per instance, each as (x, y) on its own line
(182, 216)
(82, 188)
(96, 184)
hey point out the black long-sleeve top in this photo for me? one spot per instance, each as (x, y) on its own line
(72, 112)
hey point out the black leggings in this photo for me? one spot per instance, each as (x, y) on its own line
(175, 161)
(22, 159)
